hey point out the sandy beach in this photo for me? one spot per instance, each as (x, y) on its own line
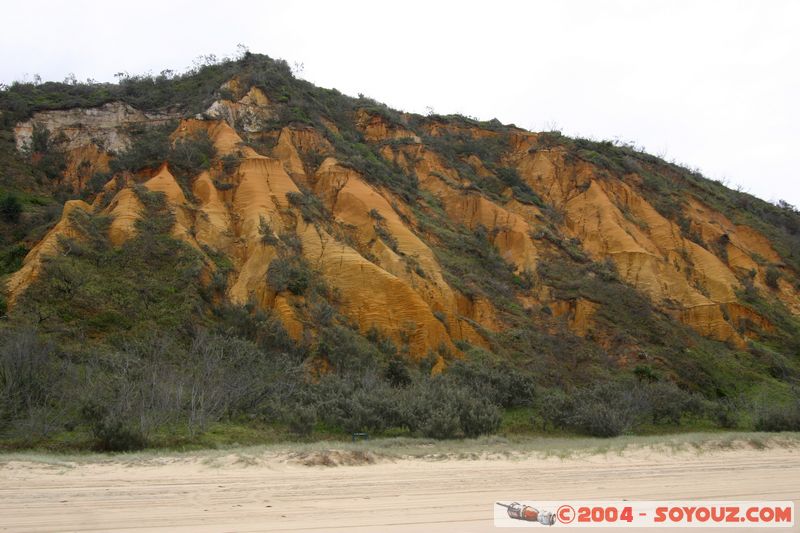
(358, 490)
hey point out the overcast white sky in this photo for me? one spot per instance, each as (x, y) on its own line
(713, 84)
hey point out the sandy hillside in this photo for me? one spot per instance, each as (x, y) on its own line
(263, 490)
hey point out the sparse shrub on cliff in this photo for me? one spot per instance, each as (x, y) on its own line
(230, 162)
(374, 168)
(385, 235)
(11, 258)
(46, 152)
(151, 281)
(771, 277)
(310, 206)
(151, 146)
(471, 262)
(190, 155)
(268, 236)
(521, 190)
(312, 159)
(289, 273)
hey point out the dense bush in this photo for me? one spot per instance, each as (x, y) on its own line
(150, 147)
(397, 373)
(441, 408)
(10, 209)
(46, 153)
(725, 413)
(301, 420)
(667, 403)
(357, 399)
(111, 434)
(149, 282)
(32, 383)
(191, 154)
(778, 417)
(500, 384)
(771, 277)
(289, 273)
(609, 409)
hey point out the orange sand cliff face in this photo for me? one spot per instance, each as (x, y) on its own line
(385, 272)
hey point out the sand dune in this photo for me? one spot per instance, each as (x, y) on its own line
(277, 491)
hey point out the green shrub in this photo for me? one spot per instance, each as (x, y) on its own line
(289, 273)
(150, 282)
(383, 233)
(645, 373)
(30, 379)
(366, 161)
(611, 408)
(668, 403)
(478, 417)
(10, 209)
(441, 409)
(301, 421)
(149, 148)
(500, 384)
(606, 410)
(397, 373)
(603, 410)
(230, 162)
(357, 406)
(223, 186)
(11, 258)
(110, 433)
(725, 413)
(267, 234)
(192, 154)
(521, 190)
(440, 422)
(46, 152)
(771, 277)
(311, 207)
(555, 408)
(779, 417)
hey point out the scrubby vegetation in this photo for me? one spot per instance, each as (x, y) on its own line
(84, 292)
(151, 146)
(119, 348)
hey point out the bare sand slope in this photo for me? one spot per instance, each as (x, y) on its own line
(276, 492)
